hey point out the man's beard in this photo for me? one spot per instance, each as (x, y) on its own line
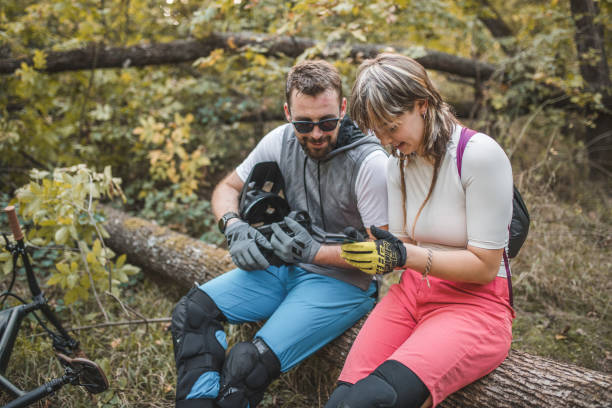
(317, 153)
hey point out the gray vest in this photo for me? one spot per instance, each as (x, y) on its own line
(325, 189)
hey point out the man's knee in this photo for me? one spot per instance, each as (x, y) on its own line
(199, 346)
(391, 385)
(248, 370)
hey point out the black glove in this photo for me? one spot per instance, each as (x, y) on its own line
(244, 242)
(376, 257)
(296, 244)
(353, 235)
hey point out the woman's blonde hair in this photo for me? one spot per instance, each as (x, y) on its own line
(390, 85)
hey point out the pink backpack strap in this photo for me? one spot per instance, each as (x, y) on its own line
(466, 134)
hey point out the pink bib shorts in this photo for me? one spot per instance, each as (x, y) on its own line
(449, 334)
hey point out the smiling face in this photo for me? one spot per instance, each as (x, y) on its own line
(405, 134)
(317, 143)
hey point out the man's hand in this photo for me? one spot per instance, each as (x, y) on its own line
(376, 257)
(294, 246)
(244, 242)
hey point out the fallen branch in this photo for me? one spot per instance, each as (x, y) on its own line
(97, 56)
(122, 323)
(523, 380)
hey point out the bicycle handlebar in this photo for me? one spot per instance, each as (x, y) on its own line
(14, 222)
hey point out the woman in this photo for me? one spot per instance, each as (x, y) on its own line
(448, 321)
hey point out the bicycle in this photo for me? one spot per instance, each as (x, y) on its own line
(78, 371)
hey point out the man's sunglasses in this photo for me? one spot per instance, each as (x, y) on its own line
(306, 126)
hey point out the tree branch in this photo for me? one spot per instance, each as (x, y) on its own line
(189, 50)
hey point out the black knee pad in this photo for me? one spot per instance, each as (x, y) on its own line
(248, 370)
(198, 339)
(370, 392)
(339, 394)
(411, 391)
(391, 385)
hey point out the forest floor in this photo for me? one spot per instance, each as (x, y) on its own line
(562, 292)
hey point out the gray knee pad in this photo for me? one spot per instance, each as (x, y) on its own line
(248, 370)
(199, 346)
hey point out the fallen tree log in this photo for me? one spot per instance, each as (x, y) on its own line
(100, 56)
(523, 380)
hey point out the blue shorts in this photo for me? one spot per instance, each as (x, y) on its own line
(304, 310)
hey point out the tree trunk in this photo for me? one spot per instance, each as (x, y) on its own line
(99, 56)
(596, 73)
(523, 380)
(494, 22)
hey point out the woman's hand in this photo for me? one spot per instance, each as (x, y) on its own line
(376, 257)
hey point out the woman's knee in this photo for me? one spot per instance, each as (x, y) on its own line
(391, 385)
(338, 395)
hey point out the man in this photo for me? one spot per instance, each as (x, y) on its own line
(336, 174)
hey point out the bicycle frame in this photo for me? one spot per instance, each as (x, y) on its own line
(10, 322)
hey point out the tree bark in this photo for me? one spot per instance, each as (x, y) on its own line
(98, 56)
(494, 22)
(589, 38)
(523, 380)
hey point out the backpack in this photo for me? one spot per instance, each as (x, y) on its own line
(519, 226)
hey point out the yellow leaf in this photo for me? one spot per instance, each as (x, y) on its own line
(71, 280)
(7, 268)
(54, 279)
(62, 267)
(62, 220)
(40, 59)
(212, 58)
(154, 156)
(70, 297)
(121, 261)
(61, 236)
(260, 60)
(73, 232)
(125, 77)
(97, 247)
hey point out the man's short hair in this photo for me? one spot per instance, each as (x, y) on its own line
(313, 77)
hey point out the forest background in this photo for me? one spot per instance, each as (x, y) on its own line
(146, 104)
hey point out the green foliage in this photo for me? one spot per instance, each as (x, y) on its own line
(169, 160)
(62, 209)
(188, 214)
(49, 121)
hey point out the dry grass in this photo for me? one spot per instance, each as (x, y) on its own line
(561, 284)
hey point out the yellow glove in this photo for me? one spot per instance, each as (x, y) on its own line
(376, 257)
